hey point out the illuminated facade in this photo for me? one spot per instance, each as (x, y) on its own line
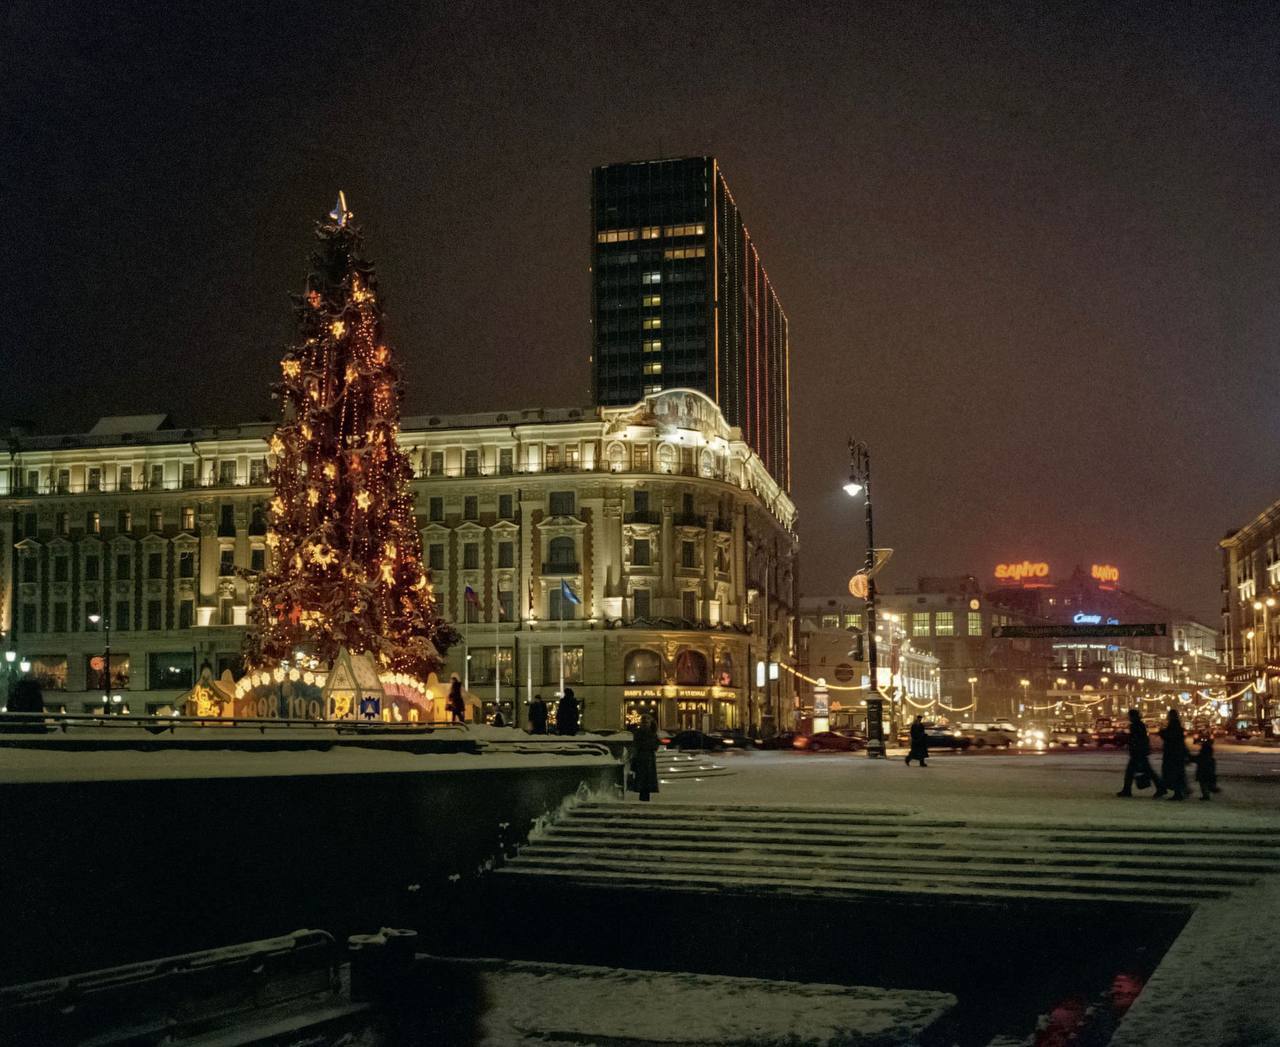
(656, 516)
(1250, 602)
(680, 299)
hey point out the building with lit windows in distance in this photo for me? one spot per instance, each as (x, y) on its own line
(647, 543)
(952, 619)
(1250, 604)
(681, 299)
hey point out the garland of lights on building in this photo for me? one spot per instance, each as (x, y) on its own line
(346, 567)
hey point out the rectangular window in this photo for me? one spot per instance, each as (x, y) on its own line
(435, 556)
(155, 565)
(188, 518)
(689, 605)
(188, 474)
(125, 483)
(640, 457)
(640, 603)
(471, 507)
(640, 501)
(471, 556)
(853, 621)
(29, 525)
(651, 278)
(831, 621)
(506, 507)
(95, 671)
(558, 608)
(471, 463)
(572, 665)
(28, 617)
(64, 481)
(651, 300)
(506, 463)
(124, 565)
(95, 478)
(506, 605)
(506, 554)
(975, 623)
(562, 503)
(688, 554)
(61, 568)
(187, 564)
(227, 472)
(651, 232)
(59, 618)
(257, 558)
(123, 620)
(91, 568)
(30, 568)
(186, 614)
(654, 345)
(226, 520)
(257, 472)
(689, 229)
(157, 521)
(675, 253)
(226, 563)
(944, 623)
(655, 367)
(226, 611)
(640, 553)
(436, 466)
(654, 387)
(435, 510)
(64, 523)
(920, 623)
(124, 521)
(571, 457)
(651, 323)
(157, 476)
(155, 615)
(168, 671)
(553, 458)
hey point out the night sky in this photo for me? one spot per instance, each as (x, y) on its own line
(1031, 258)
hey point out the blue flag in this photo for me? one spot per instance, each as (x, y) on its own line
(568, 593)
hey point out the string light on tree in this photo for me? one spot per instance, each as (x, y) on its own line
(346, 569)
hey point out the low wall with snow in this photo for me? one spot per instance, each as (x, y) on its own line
(112, 857)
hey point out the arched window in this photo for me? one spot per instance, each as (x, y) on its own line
(617, 456)
(562, 551)
(691, 668)
(643, 667)
(666, 458)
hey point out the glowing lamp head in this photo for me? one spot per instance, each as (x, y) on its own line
(95, 618)
(853, 489)
(25, 666)
(10, 656)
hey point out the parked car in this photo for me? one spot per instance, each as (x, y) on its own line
(835, 741)
(1106, 731)
(1063, 736)
(736, 739)
(999, 734)
(688, 740)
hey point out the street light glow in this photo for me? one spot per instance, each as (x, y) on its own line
(853, 489)
(9, 656)
(25, 666)
(95, 618)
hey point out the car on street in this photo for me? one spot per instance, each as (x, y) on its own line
(1106, 731)
(735, 739)
(697, 740)
(1063, 736)
(1000, 734)
(835, 741)
(939, 736)
(784, 740)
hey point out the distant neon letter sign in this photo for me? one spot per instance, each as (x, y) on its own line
(1105, 573)
(1021, 572)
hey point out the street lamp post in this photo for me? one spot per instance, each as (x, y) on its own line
(973, 697)
(860, 482)
(106, 661)
(1024, 684)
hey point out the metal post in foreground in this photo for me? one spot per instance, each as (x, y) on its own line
(860, 482)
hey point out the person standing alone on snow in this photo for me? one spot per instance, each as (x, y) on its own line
(1206, 769)
(919, 744)
(1173, 761)
(644, 764)
(455, 703)
(537, 715)
(567, 713)
(1139, 757)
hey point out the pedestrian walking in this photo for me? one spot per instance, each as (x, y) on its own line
(919, 743)
(538, 715)
(456, 704)
(1139, 765)
(1206, 769)
(567, 713)
(498, 720)
(644, 762)
(1174, 759)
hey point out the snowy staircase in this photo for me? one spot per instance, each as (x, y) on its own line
(676, 767)
(851, 853)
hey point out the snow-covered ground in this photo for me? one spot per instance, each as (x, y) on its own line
(1060, 785)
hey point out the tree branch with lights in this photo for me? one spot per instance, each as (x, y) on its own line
(346, 564)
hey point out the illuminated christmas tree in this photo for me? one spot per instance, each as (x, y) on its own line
(346, 567)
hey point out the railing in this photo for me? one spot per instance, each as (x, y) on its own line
(560, 568)
(643, 516)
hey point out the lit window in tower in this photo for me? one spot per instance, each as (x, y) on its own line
(651, 322)
(651, 278)
(651, 299)
(653, 368)
(654, 346)
(650, 232)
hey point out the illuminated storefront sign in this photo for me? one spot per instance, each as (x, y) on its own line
(1092, 619)
(701, 694)
(1024, 573)
(1105, 573)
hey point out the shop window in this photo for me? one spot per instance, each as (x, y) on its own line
(49, 671)
(169, 671)
(642, 666)
(572, 665)
(95, 671)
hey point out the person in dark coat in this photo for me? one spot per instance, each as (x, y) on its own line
(1139, 757)
(456, 704)
(1206, 769)
(919, 744)
(567, 713)
(499, 720)
(644, 764)
(538, 715)
(1174, 759)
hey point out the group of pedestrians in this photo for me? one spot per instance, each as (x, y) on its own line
(568, 711)
(1174, 758)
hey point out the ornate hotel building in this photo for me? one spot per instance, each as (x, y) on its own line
(641, 553)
